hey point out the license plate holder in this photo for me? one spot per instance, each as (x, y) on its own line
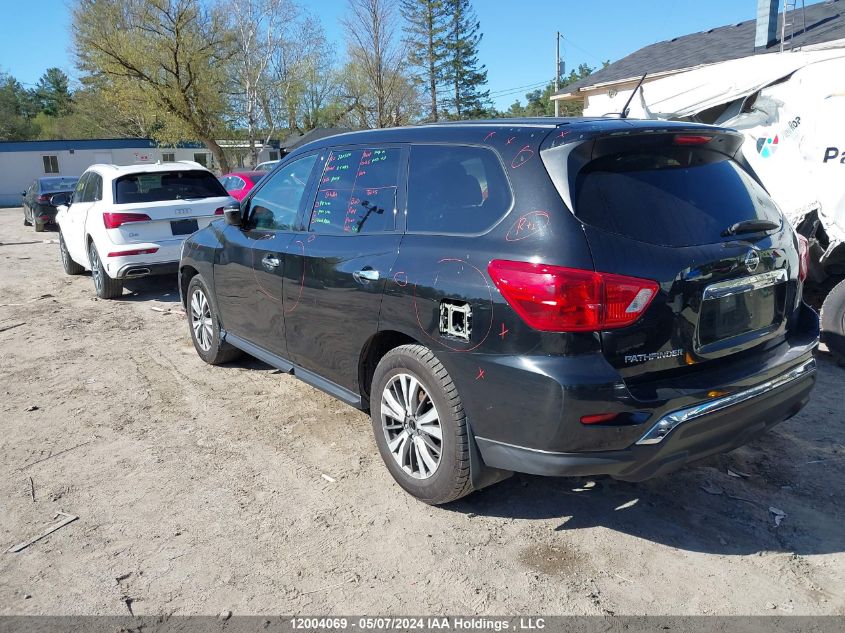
(183, 227)
(741, 307)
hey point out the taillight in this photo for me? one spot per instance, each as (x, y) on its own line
(218, 211)
(692, 139)
(137, 251)
(43, 199)
(803, 257)
(558, 299)
(114, 220)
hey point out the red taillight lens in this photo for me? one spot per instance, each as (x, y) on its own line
(598, 418)
(218, 211)
(692, 139)
(43, 199)
(803, 257)
(137, 251)
(114, 220)
(557, 299)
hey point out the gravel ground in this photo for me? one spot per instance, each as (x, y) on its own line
(199, 490)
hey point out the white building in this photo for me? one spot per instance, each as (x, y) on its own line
(21, 162)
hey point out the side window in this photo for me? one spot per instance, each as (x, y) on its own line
(357, 192)
(93, 188)
(455, 189)
(226, 182)
(79, 192)
(276, 205)
(236, 183)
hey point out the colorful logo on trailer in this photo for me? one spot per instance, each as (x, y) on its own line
(767, 146)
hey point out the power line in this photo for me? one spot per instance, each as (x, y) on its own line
(583, 50)
(507, 91)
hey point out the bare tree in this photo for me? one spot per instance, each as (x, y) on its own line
(373, 50)
(258, 26)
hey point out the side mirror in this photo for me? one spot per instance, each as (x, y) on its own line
(60, 199)
(23, 193)
(232, 214)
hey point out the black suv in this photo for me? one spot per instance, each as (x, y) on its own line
(549, 296)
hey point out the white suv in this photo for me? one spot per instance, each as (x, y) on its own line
(130, 221)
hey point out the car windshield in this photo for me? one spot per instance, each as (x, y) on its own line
(167, 185)
(52, 185)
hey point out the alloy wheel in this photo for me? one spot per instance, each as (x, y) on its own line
(411, 426)
(96, 272)
(201, 320)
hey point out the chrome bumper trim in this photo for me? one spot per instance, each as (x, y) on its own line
(670, 421)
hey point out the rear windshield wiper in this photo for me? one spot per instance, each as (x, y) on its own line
(750, 226)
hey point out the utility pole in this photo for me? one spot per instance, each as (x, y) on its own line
(557, 72)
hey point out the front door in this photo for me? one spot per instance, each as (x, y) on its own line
(73, 225)
(249, 270)
(336, 271)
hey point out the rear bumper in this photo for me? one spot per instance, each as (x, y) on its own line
(164, 261)
(709, 428)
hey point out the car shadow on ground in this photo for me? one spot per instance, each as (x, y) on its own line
(698, 509)
(162, 288)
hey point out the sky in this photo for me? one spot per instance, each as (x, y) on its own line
(518, 47)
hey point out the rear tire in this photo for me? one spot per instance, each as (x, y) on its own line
(39, 228)
(105, 286)
(413, 401)
(70, 266)
(204, 325)
(833, 322)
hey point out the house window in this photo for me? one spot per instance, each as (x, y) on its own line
(202, 159)
(51, 164)
(274, 155)
(168, 157)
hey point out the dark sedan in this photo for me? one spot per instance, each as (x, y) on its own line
(37, 210)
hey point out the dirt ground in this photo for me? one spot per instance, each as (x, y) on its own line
(199, 490)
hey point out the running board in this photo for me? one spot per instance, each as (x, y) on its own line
(333, 389)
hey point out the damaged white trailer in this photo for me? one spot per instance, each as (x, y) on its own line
(791, 108)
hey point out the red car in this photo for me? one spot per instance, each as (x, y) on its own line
(239, 183)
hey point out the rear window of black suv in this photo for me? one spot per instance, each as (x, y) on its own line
(455, 189)
(677, 196)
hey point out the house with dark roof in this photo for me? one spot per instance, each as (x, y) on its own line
(812, 27)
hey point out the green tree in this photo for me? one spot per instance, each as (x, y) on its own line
(16, 111)
(463, 72)
(53, 93)
(426, 25)
(169, 56)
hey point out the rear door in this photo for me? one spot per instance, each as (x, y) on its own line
(250, 266)
(679, 210)
(336, 271)
(174, 203)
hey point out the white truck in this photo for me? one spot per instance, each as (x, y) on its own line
(791, 108)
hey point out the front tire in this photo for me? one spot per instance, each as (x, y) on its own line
(105, 286)
(70, 266)
(833, 322)
(420, 425)
(204, 325)
(26, 221)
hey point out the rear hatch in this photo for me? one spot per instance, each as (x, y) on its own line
(677, 207)
(163, 205)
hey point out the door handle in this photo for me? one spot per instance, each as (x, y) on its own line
(270, 261)
(365, 276)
